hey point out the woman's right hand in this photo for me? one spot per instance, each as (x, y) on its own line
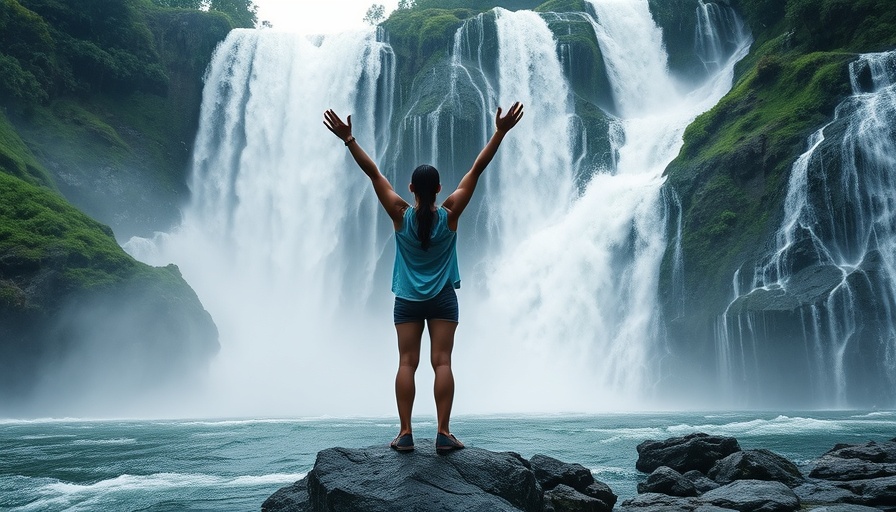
(335, 125)
(504, 124)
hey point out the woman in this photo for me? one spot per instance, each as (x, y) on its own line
(425, 273)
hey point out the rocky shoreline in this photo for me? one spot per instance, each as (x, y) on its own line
(693, 473)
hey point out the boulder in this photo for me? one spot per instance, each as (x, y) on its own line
(378, 479)
(872, 451)
(835, 468)
(756, 465)
(293, 498)
(821, 492)
(844, 508)
(753, 496)
(874, 491)
(658, 502)
(668, 481)
(551, 473)
(697, 451)
(857, 462)
(701, 482)
(564, 498)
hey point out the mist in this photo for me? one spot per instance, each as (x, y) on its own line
(291, 254)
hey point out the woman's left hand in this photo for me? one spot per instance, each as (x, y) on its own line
(335, 125)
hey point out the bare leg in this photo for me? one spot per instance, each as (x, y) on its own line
(441, 332)
(409, 335)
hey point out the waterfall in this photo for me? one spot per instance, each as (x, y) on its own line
(289, 250)
(718, 34)
(835, 257)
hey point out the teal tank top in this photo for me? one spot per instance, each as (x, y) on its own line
(420, 275)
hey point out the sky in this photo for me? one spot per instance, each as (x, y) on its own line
(318, 16)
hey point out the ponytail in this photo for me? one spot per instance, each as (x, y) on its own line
(425, 180)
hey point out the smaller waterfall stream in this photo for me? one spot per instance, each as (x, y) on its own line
(835, 256)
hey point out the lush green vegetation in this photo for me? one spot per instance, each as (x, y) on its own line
(39, 230)
(563, 6)
(732, 172)
(84, 86)
(17, 160)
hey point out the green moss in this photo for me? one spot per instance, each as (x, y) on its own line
(41, 232)
(17, 160)
(562, 6)
(733, 169)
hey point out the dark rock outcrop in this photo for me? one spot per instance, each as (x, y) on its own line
(668, 481)
(756, 465)
(695, 451)
(379, 479)
(553, 474)
(863, 474)
(702, 483)
(753, 496)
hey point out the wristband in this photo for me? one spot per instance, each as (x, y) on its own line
(349, 140)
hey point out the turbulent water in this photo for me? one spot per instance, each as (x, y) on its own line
(234, 465)
(287, 247)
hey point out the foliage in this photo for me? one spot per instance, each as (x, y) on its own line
(17, 160)
(37, 227)
(375, 14)
(243, 13)
(180, 4)
(732, 171)
(478, 5)
(563, 6)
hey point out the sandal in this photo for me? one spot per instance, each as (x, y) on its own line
(446, 443)
(403, 443)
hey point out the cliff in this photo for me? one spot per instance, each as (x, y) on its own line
(83, 325)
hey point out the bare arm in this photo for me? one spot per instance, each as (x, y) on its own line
(460, 198)
(391, 201)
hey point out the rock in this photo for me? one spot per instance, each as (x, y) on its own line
(668, 481)
(874, 491)
(756, 465)
(701, 482)
(379, 479)
(602, 492)
(857, 462)
(844, 508)
(871, 451)
(695, 451)
(753, 496)
(657, 502)
(564, 498)
(551, 472)
(834, 468)
(293, 498)
(820, 492)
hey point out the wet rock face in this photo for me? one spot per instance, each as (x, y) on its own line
(695, 451)
(379, 479)
(756, 465)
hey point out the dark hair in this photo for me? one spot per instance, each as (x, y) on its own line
(426, 184)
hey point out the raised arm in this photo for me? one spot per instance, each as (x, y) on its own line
(391, 201)
(460, 198)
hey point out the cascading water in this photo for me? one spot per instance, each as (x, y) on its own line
(287, 247)
(834, 266)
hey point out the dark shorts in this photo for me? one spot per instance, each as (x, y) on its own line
(441, 307)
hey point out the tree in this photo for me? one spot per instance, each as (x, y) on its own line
(375, 14)
(406, 4)
(180, 4)
(243, 13)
